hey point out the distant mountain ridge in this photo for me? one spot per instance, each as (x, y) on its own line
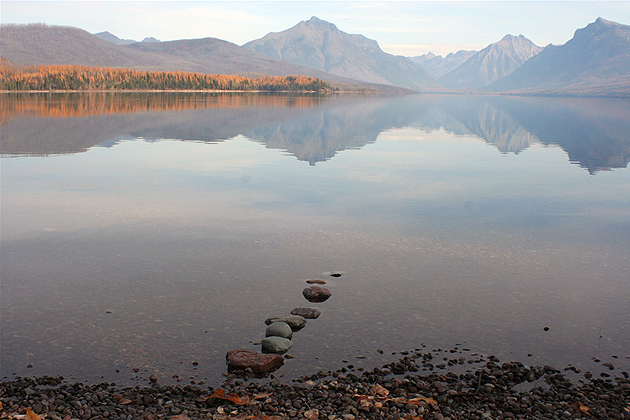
(491, 63)
(597, 56)
(110, 37)
(321, 45)
(595, 62)
(38, 44)
(437, 66)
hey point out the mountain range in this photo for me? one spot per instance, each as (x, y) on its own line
(321, 45)
(596, 61)
(491, 64)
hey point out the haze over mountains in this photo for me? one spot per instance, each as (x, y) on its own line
(596, 61)
(597, 57)
(437, 66)
(319, 44)
(492, 63)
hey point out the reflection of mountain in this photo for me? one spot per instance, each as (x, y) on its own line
(478, 117)
(595, 133)
(319, 136)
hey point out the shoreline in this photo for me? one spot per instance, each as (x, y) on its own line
(409, 388)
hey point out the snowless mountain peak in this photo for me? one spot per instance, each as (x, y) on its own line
(319, 23)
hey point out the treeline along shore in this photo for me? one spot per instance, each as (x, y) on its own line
(72, 77)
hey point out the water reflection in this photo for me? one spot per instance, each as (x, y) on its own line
(593, 132)
(164, 233)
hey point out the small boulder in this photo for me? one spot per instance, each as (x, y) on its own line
(279, 329)
(242, 359)
(278, 345)
(316, 294)
(308, 313)
(296, 322)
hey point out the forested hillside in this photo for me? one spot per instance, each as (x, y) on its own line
(68, 77)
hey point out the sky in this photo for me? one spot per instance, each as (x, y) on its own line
(407, 28)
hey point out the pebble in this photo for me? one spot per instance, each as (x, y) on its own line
(279, 329)
(296, 322)
(277, 345)
(316, 294)
(342, 397)
(307, 313)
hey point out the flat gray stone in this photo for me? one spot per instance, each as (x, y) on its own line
(279, 329)
(277, 345)
(296, 322)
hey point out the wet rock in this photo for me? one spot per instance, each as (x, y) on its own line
(241, 359)
(308, 313)
(336, 273)
(278, 345)
(316, 294)
(279, 329)
(316, 281)
(296, 322)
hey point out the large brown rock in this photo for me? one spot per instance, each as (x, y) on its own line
(316, 294)
(241, 359)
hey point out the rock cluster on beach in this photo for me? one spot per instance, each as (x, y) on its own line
(421, 385)
(279, 333)
(397, 390)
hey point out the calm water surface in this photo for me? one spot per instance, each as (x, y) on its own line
(151, 231)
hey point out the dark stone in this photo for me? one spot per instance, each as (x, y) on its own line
(296, 322)
(316, 294)
(279, 329)
(242, 359)
(279, 345)
(308, 313)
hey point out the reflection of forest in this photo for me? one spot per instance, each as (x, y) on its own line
(61, 105)
(593, 132)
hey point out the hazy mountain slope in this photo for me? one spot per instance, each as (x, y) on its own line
(320, 45)
(42, 44)
(110, 37)
(38, 44)
(597, 58)
(492, 63)
(437, 66)
(223, 57)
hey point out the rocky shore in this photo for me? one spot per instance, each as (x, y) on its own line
(410, 388)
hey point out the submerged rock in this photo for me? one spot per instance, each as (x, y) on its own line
(279, 329)
(308, 313)
(316, 294)
(316, 281)
(278, 345)
(296, 322)
(242, 359)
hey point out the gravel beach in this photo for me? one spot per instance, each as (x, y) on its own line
(410, 388)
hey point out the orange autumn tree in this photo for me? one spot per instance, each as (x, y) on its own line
(70, 77)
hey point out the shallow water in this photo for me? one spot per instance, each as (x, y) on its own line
(151, 231)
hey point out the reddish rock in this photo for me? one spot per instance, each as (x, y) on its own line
(316, 294)
(308, 313)
(242, 359)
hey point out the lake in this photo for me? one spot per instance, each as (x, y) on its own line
(144, 232)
